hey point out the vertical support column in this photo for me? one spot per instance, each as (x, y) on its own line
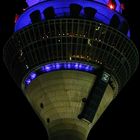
(95, 96)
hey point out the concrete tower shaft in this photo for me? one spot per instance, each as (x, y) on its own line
(59, 97)
(71, 58)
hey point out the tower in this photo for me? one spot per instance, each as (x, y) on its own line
(71, 58)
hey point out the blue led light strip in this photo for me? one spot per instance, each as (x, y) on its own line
(58, 66)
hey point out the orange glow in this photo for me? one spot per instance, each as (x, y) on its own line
(111, 6)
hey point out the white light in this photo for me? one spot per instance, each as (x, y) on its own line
(97, 28)
(89, 42)
(27, 67)
(21, 52)
(105, 77)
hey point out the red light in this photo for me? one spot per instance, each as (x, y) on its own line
(111, 5)
(16, 17)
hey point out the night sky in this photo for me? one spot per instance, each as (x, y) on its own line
(119, 121)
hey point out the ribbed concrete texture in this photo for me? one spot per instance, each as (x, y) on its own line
(57, 98)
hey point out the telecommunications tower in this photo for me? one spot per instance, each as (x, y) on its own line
(71, 58)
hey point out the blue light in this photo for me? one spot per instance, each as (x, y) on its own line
(33, 75)
(69, 66)
(53, 67)
(76, 66)
(80, 66)
(47, 68)
(30, 77)
(58, 66)
(104, 14)
(66, 66)
(27, 81)
(87, 68)
(33, 2)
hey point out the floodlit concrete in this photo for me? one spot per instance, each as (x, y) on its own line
(57, 99)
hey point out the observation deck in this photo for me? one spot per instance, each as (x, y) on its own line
(92, 32)
(70, 40)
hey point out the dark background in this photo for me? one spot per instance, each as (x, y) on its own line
(18, 120)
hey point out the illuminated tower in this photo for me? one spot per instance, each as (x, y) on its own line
(71, 58)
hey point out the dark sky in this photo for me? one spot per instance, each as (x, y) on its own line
(119, 121)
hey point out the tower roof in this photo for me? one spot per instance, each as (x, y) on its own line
(113, 4)
(103, 10)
